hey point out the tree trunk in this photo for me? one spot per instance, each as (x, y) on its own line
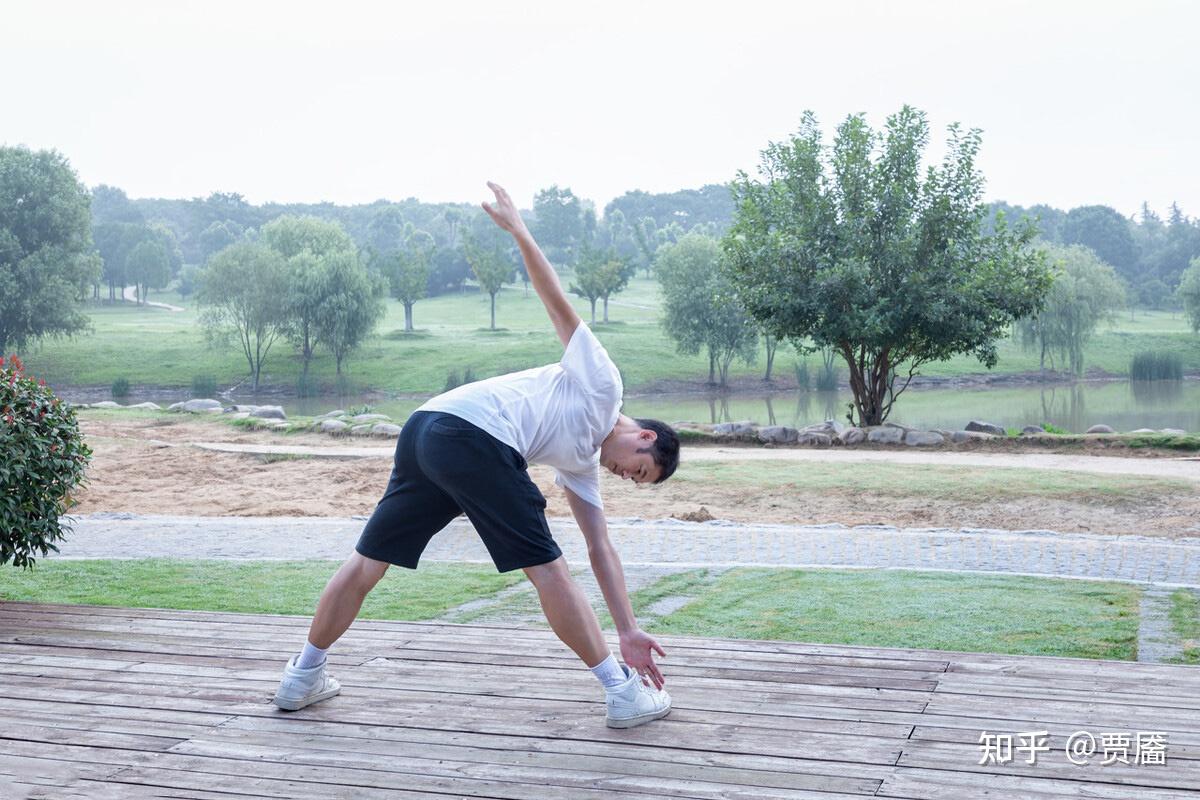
(772, 343)
(606, 308)
(593, 302)
(408, 324)
(493, 311)
(712, 367)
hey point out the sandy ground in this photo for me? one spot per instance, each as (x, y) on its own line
(147, 466)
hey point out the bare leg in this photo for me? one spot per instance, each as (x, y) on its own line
(568, 611)
(343, 597)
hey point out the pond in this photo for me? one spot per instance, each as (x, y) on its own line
(1073, 407)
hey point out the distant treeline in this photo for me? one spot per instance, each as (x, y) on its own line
(1147, 252)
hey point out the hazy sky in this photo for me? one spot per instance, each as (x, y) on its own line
(1080, 102)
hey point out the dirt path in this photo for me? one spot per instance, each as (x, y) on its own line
(148, 466)
(1178, 468)
(130, 294)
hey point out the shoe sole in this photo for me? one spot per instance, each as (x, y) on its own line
(295, 705)
(633, 722)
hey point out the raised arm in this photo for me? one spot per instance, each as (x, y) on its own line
(541, 274)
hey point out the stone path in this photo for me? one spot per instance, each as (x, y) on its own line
(663, 543)
(1178, 468)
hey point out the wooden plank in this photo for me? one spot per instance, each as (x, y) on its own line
(912, 783)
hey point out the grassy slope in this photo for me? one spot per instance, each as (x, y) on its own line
(151, 346)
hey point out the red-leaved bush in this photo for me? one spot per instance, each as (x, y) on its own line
(42, 461)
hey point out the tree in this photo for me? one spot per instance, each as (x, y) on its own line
(149, 267)
(217, 236)
(848, 247)
(599, 275)
(700, 307)
(492, 267)
(1105, 231)
(1085, 292)
(306, 244)
(242, 291)
(1189, 294)
(47, 262)
(407, 270)
(351, 305)
(558, 222)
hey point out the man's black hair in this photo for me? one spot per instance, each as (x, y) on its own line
(665, 449)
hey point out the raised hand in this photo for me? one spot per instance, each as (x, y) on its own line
(504, 213)
(637, 650)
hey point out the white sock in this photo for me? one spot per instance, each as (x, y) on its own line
(310, 657)
(609, 672)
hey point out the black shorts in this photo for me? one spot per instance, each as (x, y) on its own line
(445, 466)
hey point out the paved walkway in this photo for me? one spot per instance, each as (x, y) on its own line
(663, 543)
(1178, 468)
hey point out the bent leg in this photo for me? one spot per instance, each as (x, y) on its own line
(568, 611)
(343, 597)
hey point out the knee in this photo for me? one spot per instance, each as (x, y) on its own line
(361, 573)
(545, 576)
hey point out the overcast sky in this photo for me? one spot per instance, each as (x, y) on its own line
(1079, 102)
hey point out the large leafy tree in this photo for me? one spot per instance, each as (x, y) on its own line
(599, 275)
(492, 265)
(242, 293)
(856, 247)
(1085, 292)
(351, 304)
(407, 269)
(47, 261)
(558, 222)
(306, 244)
(700, 309)
(1105, 231)
(149, 267)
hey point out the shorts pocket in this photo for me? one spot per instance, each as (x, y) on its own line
(452, 426)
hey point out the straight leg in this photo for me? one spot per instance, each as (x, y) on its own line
(568, 611)
(343, 597)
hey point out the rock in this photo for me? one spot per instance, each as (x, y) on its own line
(829, 426)
(734, 428)
(240, 415)
(777, 434)
(385, 429)
(370, 417)
(238, 409)
(885, 434)
(815, 439)
(1144, 430)
(107, 404)
(329, 414)
(334, 426)
(1173, 432)
(360, 430)
(958, 437)
(701, 515)
(1032, 429)
(268, 412)
(1100, 429)
(923, 438)
(853, 436)
(202, 406)
(986, 427)
(147, 407)
(175, 408)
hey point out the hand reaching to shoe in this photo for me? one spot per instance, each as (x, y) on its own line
(637, 650)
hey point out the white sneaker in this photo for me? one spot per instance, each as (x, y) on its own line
(634, 703)
(303, 687)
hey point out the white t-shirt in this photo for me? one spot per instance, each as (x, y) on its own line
(555, 415)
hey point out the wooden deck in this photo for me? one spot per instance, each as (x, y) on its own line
(127, 703)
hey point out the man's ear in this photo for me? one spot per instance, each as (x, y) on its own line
(647, 435)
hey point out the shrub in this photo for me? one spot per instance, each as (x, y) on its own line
(120, 387)
(42, 461)
(803, 379)
(1156, 365)
(1048, 428)
(204, 386)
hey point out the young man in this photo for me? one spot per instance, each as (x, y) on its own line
(466, 451)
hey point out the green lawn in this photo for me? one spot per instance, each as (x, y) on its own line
(259, 587)
(1185, 619)
(942, 611)
(154, 347)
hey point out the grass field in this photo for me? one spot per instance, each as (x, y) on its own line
(1185, 619)
(981, 613)
(941, 611)
(150, 346)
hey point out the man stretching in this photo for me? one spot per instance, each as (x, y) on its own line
(466, 451)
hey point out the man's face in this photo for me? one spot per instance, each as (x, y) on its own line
(621, 457)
